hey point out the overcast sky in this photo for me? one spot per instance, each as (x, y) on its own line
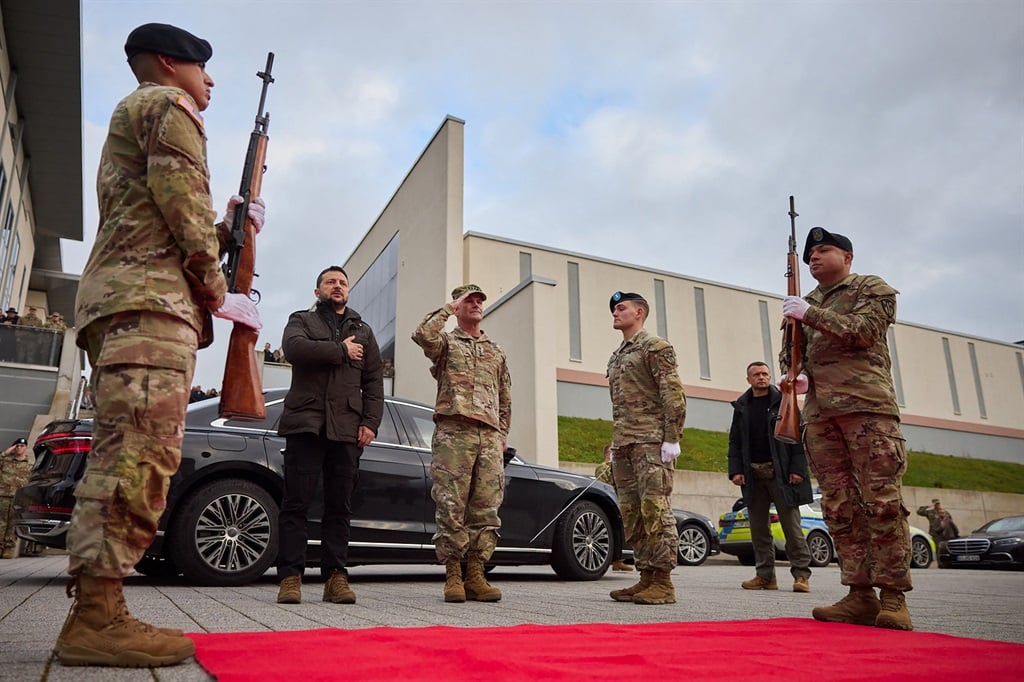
(665, 134)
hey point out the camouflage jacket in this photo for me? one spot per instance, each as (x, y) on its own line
(31, 320)
(648, 401)
(14, 473)
(157, 248)
(846, 352)
(472, 372)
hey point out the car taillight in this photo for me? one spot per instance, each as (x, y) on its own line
(773, 518)
(723, 523)
(65, 443)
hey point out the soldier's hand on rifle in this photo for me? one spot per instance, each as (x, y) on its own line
(354, 350)
(802, 383)
(257, 211)
(795, 307)
(239, 308)
(669, 452)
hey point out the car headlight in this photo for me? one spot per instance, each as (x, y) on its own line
(1007, 542)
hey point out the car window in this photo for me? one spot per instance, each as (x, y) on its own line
(815, 505)
(420, 423)
(269, 423)
(387, 433)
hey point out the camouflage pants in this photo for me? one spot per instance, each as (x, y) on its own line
(8, 540)
(644, 485)
(468, 475)
(142, 369)
(859, 461)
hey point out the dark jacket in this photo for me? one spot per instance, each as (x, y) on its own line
(331, 393)
(786, 458)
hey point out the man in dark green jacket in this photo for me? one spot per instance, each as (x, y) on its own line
(769, 471)
(331, 412)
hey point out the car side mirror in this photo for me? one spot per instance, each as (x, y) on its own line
(508, 455)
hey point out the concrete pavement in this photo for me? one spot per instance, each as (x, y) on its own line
(966, 603)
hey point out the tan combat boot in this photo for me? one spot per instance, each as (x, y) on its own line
(290, 590)
(801, 584)
(660, 591)
(476, 585)
(454, 591)
(336, 589)
(894, 613)
(859, 607)
(626, 593)
(100, 631)
(759, 583)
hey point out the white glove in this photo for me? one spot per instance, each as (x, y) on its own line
(802, 383)
(257, 211)
(795, 307)
(239, 308)
(669, 452)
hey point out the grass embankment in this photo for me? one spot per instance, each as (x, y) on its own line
(583, 440)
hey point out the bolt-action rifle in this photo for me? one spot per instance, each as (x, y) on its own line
(241, 394)
(787, 428)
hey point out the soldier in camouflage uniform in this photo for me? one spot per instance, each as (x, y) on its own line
(145, 298)
(852, 434)
(472, 416)
(14, 472)
(648, 412)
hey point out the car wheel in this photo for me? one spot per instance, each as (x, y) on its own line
(582, 546)
(225, 533)
(156, 567)
(821, 549)
(694, 545)
(745, 558)
(920, 553)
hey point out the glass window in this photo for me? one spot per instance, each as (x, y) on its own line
(982, 412)
(702, 334)
(575, 336)
(525, 266)
(952, 375)
(12, 262)
(420, 422)
(375, 298)
(659, 308)
(387, 433)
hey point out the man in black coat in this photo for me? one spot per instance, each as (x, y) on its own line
(769, 471)
(332, 411)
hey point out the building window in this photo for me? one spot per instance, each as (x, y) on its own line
(525, 266)
(702, 333)
(766, 338)
(659, 308)
(12, 268)
(977, 380)
(952, 375)
(575, 337)
(375, 298)
(1020, 370)
(897, 378)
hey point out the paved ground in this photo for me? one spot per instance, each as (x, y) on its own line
(967, 603)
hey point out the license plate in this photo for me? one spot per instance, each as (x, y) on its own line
(968, 557)
(745, 524)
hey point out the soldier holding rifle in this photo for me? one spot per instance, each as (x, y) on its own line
(152, 281)
(852, 434)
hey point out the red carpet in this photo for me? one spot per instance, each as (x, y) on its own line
(790, 649)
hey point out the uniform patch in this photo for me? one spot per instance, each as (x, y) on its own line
(185, 104)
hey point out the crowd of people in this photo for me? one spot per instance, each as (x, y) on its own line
(23, 340)
(142, 333)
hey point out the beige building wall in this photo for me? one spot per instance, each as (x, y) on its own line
(529, 314)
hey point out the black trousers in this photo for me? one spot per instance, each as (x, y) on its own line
(308, 459)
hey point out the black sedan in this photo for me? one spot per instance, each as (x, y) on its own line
(220, 527)
(997, 543)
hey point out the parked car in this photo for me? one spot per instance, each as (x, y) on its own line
(734, 537)
(997, 543)
(220, 527)
(697, 538)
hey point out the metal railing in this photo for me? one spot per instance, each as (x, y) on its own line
(31, 345)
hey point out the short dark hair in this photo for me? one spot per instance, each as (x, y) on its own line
(757, 363)
(329, 268)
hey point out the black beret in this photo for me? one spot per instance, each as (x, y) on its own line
(20, 441)
(167, 40)
(819, 235)
(619, 297)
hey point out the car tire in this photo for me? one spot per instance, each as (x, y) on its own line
(745, 558)
(821, 549)
(694, 545)
(583, 544)
(225, 533)
(920, 553)
(156, 567)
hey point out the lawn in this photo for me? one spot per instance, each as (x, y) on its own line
(583, 440)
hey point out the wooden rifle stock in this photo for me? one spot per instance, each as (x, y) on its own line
(241, 396)
(787, 428)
